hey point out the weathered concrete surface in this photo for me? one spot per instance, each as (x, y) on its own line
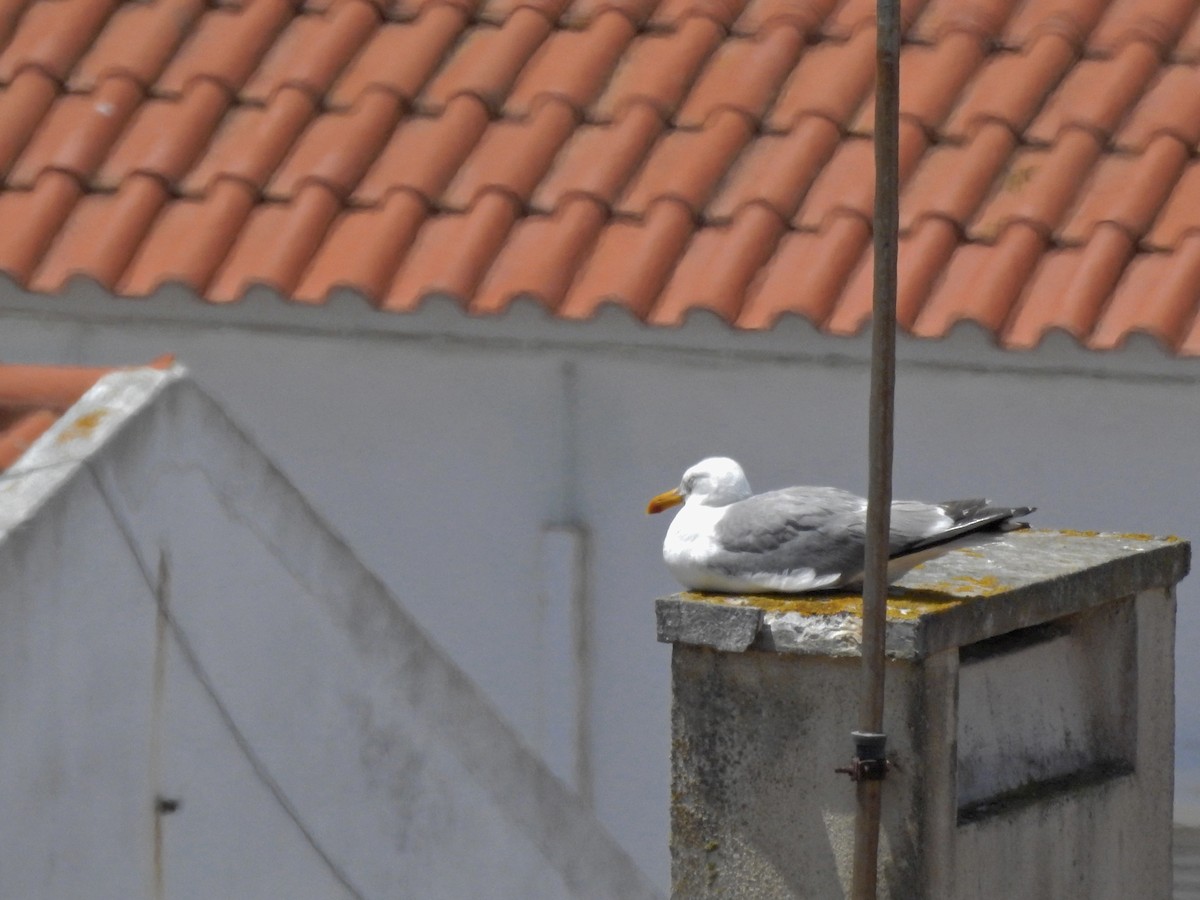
(756, 808)
(1019, 579)
(204, 694)
(1033, 760)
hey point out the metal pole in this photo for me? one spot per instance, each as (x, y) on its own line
(879, 497)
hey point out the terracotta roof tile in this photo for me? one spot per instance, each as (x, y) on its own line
(1171, 106)
(688, 165)
(337, 148)
(854, 15)
(276, 244)
(953, 179)
(631, 263)
(659, 68)
(53, 36)
(806, 273)
(541, 256)
(487, 61)
(499, 10)
(923, 254)
(1188, 48)
(226, 45)
(41, 211)
(155, 29)
(670, 13)
(1072, 20)
(364, 247)
(1039, 186)
(1178, 217)
(660, 155)
(1127, 191)
(453, 252)
(744, 74)
(33, 398)
(190, 240)
(101, 235)
(1158, 23)
(718, 266)
(926, 97)
(23, 103)
(832, 79)
(578, 13)
(10, 15)
(406, 10)
(400, 56)
(52, 388)
(1190, 345)
(19, 431)
(77, 132)
(251, 142)
(165, 136)
(312, 51)
(805, 15)
(840, 186)
(1011, 86)
(940, 18)
(1097, 94)
(778, 169)
(424, 152)
(599, 160)
(1069, 288)
(1159, 295)
(573, 66)
(847, 182)
(512, 155)
(982, 283)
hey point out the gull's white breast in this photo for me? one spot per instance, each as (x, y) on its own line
(691, 549)
(691, 543)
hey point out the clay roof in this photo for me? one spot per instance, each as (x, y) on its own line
(662, 155)
(32, 398)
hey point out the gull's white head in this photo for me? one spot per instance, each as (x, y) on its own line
(716, 481)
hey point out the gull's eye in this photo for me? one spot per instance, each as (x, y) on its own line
(689, 483)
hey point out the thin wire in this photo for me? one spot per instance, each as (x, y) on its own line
(201, 676)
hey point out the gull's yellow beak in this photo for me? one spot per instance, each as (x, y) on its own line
(665, 500)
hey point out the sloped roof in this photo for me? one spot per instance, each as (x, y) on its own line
(663, 155)
(32, 398)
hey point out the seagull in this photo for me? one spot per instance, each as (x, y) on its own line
(800, 539)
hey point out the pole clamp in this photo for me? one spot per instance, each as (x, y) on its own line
(870, 761)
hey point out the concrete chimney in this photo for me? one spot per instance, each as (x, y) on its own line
(1030, 722)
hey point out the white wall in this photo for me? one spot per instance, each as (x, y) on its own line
(176, 623)
(441, 458)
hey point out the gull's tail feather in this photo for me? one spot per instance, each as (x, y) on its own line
(971, 516)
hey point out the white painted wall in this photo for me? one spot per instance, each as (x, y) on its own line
(175, 622)
(441, 446)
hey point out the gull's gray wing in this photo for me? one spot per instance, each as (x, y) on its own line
(791, 529)
(822, 529)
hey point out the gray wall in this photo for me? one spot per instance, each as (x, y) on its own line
(175, 623)
(440, 447)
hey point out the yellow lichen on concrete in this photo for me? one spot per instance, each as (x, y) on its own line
(969, 586)
(82, 426)
(902, 605)
(1123, 535)
(1071, 532)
